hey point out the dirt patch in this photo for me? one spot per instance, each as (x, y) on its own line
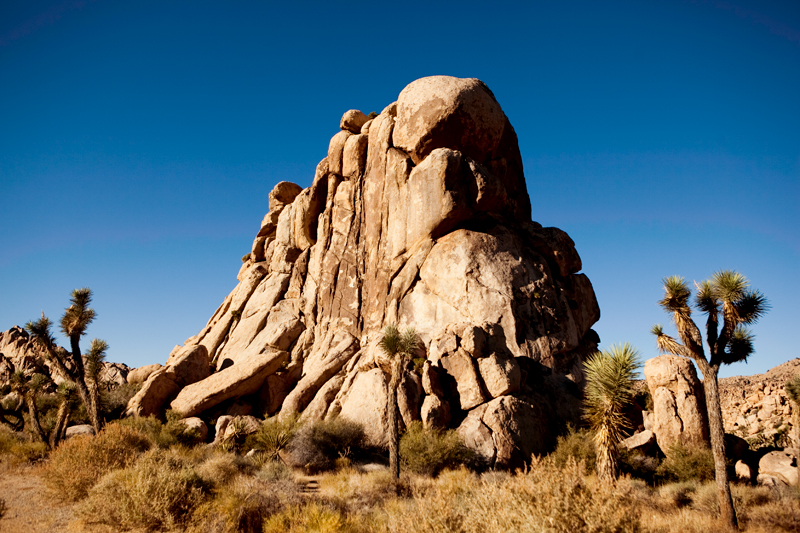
(32, 508)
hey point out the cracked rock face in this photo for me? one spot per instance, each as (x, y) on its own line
(418, 217)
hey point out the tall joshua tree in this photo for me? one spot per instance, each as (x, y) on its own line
(84, 373)
(398, 346)
(609, 390)
(726, 296)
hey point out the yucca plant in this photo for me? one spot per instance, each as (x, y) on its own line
(609, 390)
(729, 304)
(76, 319)
(398, 346)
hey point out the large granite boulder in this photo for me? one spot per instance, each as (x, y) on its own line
(418, 217)
(678, 402)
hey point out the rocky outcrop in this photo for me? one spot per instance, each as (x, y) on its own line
(418, 217)
(19, 353)
(678, 402)
(781, 467)
(757, 408)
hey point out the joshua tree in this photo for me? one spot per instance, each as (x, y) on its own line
(85, 375)
(792, 389)
(67, 391)
(727, 295)
(609, 389)
(398, 346)
(28, 388)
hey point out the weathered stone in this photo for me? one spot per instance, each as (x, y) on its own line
(780, 467)
(447, 112)
(283, 194)
(336, 152)
(354, 156)
(642, 441)
(245, 377)
(430, 380)
(81, 430)
(678, 403)
(743, 472)
(318, 407)
(365, 127)
(156, 390)
(477, 436)
(196, 424)
(518, 429)
(462, 368)
(353, 121)
(435, 413)
(365, 403)
(500, 375)
(140, 375)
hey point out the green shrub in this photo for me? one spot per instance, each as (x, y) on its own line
(316, 445)
(78, 463)
(164, 435)
(576, 445)
(114, 402)
(686, 464)
(159, 491)
(429, 451)
(273, 436)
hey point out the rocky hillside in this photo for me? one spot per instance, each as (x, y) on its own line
(756, 407)
(419, 217)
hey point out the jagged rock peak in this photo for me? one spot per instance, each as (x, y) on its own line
(420, 217)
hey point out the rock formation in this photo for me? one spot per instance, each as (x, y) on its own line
(678, 402)
(419, 217)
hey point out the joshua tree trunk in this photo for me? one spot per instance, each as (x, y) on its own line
(33, 413)
(716, 434)
(394, 431)
(61, 423)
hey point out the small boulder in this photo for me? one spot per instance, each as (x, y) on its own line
(353, 120)
(196, 424)
(743, 472)
(140, 374)
(780, 468)
(642, 441)
(80, 430)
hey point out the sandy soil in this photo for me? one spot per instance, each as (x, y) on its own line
(32, 508)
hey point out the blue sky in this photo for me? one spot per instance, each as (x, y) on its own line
(139, 141)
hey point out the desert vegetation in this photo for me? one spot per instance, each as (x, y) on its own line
(142, 473)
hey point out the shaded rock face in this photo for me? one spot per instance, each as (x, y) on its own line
(678, 402)
(419, 217)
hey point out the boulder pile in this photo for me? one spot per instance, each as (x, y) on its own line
(420, 217)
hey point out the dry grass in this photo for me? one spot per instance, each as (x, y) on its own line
(79, 463)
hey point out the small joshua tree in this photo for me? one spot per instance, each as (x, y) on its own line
(28, 388)
(792, 389)
(609, 389)
(398, 346)
(727, 296)
(84, 373)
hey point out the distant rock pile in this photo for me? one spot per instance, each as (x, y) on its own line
(419, 216)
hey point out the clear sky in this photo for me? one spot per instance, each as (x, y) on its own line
(139, 141)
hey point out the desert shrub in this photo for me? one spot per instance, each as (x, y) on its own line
(576, 445)
(79, 463)
(686, 464)
(772, 509)
(164, 435)
(313, 516)
(638, 465)
(546, 498)
(114, 402)
(316, 445)
(238, 507)
(16, 449)
(680, 494)
(218, 468)
(159, 491)
(429, 451)
(273, 471)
